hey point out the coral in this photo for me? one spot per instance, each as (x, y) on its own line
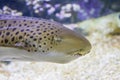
(111, 24)
(63, 11)
(7, 10)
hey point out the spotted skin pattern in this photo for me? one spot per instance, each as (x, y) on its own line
(19, 33)
(33, 34)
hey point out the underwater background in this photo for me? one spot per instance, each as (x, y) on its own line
(97, 20)
(66, 11)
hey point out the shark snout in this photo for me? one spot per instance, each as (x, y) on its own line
(81, 44)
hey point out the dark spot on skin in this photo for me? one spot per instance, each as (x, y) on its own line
(117, 33)
(41, 24)
(22, 30)
(40, 38)
(9, 25)
(51, 43)
(37, 29)
(39, 45)
(35, 50)
(3, 31)
(34, 33)
(20, 25)
(8, 33)
(38, 26)
(31, 36)
(28, 26)
(20, 37)
(51, 28)
(51, 47)
(25, 33)
(28, 34)
(48, 34)
(7, 28)
(43, 51)
(16, 42)
(26, 44)
(14, 29)
(44, 36)
(31, 31)
(29, 45)
(56, 31)
(2, 36)
(12, 39)
(44, 31)
(48, 38)
(1, 26)
(11, 35)
(44, 43)
(6, 41)
(9, 43)
(0, 33)
(33, 45)
(39, 33)
(36, 22)
(52, 32)
(5, 21)
(47, 48)
(28, 50)
(34, 39)
(49, 24)
(27, 30)
(2, 41)
(25, 24)
(14, 21)
(17, 33)
(80, 49)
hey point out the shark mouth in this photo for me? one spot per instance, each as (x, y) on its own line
(79, 52)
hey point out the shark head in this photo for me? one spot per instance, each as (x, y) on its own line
(34, 39)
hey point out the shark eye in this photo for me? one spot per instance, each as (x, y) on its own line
(58, 39)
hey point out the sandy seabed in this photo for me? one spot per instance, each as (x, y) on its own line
(102, 63)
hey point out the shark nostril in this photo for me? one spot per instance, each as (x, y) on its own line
(78, 54)
(88, 51)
